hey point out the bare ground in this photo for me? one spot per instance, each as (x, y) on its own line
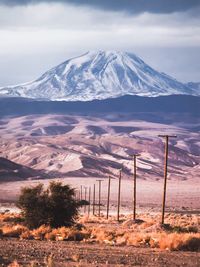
(80, 254)
(181, 195)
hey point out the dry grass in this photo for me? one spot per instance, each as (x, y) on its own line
(95, 219)
(14, 264)
(59, 234)
(185, 221)
(67, 234)
(13, 230)
(49, 262)
(40, 233)
(162, 240)
(177, 241)
(182, 236)
(10, 217)
(182, 233)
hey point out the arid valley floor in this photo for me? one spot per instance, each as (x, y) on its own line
(78, 150)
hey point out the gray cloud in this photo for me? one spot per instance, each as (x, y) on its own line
(36, 37)
(131, 6)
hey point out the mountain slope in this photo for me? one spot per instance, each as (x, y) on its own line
(194, 85)
(100, 75)
(10, 170)
(98, 145)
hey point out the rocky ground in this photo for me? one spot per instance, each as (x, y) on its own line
(78, 254)
(105, 243)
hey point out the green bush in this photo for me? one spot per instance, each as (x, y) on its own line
(56, 206)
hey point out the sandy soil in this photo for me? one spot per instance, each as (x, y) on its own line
(79, 254)
(181, 195)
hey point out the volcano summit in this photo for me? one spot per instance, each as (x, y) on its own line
(100, 75)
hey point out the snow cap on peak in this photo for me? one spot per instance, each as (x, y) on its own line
(100, 75)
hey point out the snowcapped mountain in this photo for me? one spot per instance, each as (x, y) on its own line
(100, 75)
(194, 85)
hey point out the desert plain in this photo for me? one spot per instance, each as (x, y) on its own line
(80, 149)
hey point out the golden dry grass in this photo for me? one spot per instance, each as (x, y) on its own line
(182, 233)
(177, 241)
(14, 264)
(9, 217)
(13, 230)
(48, 261)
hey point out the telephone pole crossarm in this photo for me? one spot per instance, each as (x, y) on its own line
(166, 135)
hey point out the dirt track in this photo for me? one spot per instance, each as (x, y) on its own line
(80, 254)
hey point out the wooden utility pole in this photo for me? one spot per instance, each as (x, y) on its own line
(108, 200)
(165, 173)
(119, 194)
(134, 186)
(89, 199)
(94, 193)
(81, 192)
(85, 198)
(99, 196)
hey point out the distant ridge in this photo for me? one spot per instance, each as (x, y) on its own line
(174, 103)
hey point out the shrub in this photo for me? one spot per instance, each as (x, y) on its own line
(84, 202)
(56, 206)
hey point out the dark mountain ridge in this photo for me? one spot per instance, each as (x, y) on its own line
(173, 103)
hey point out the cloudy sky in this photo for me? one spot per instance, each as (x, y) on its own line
(37, 35)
